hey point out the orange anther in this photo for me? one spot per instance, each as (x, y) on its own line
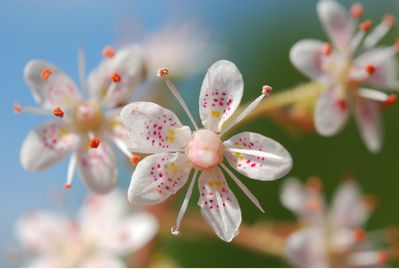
(46, 73)
(359, 234)
(17, 108)
(108, 52)
(116, 77)
(315, 184)
(327, 49)
(58, 112)
(162, 72)
(356, 10)
(389, 20)
(67, 186)
(135, 159)
(365, 26)
(370, 69)
(390, 100)
(267, 90)
(95, 142)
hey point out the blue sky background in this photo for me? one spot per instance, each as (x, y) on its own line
(53, 30)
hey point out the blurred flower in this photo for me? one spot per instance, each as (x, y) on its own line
(349, 65)
(176, 150)
(332, 238)
(99, 237)
(86, 130)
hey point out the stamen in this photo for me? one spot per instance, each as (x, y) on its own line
(383, 257)
(95, 142)
(378, 96)
(116, 77)
(57, 111)
(46, 73)
(176, 229)
(327, 49)
(108, 52)
(379, 32)
(17, 108)
(164, 72)
(135, 159)
(356, 11)
(247, 192)
(71, 171)
(390, 100)
(365, 26)
(359, 235)
(358, 38)
(266, 90)
(370, 69)
(315, 184)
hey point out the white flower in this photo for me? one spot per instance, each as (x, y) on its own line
(176, 150)
(87, 130)
(333, 238)
(349, 66)
(100, 236)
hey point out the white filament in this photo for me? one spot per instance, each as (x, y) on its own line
(71, 170)
(82, 69)
(373, 95)
(376, 35)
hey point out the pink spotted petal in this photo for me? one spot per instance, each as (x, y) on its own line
(306, 248)
(349, 208)
(157, 177)
(263, 159)
(130, 234)
(331, 112)
(129, 63)
(98, 167)
(307, 56)
(47, 145)
(367, 115)
(219, 206)
(153, 128)
(221, 93)
(386, 70)
(336, 22)
(57, 90)
(34, 226)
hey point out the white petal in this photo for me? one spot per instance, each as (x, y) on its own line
(348, 208)
(33, 227)
(367, 115)
(153, 128)
(293, 195)
(131, 234)
(336, 22)
(57, 90)
(262, 158)
(129, 63)
(47, 145)
(219, 206)
(221, 94)
(305, 248)
(386, 72)
(102, 259)
(329, 116)
(307, 56)
(157, 177)
(98, 167)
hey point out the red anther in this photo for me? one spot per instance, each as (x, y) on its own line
(58, 112)
(67, 186)
(327, 49)
(342, 104)
(135, 159)
(108, 52)
(389, 20)
(356, 10)
(370, 69)
(365, 26)
(46, 73)
(390, 100)
(116, 77)
(162, 72)
(383, 257)
(17, 108)
(95, 142)
(267, 90)
(359, 234)
(315, 184)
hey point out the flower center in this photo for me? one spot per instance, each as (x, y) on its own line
(86, 117)
(205, 150)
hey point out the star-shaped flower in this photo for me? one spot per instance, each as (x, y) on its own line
(333, 238)
(349, 66)
(100, 236)
(176, 150)
(88, 126)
